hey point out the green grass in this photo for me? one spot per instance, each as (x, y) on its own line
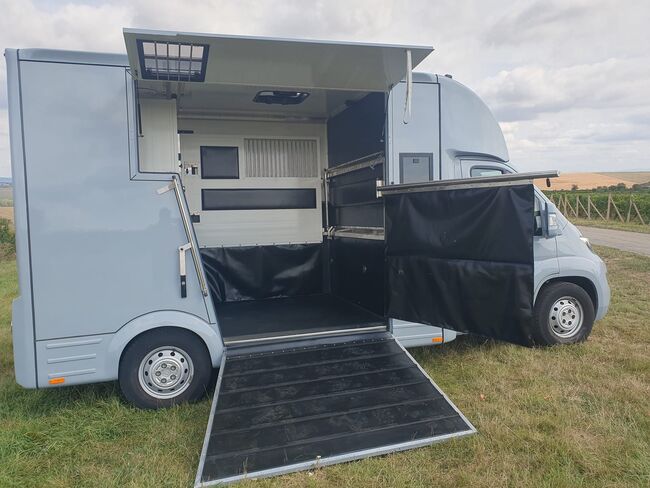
(572, 416)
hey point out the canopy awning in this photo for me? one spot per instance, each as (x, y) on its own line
(259, 61)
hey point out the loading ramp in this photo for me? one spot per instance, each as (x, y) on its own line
(294, 406)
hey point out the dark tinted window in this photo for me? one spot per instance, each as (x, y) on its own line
(257, 198)
(219, 162)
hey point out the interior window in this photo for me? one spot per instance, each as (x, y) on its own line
(219, 162)
(478, 171)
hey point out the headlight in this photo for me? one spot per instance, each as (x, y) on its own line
(586, 241)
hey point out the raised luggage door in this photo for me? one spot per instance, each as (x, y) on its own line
(301, 405)
(459, 254)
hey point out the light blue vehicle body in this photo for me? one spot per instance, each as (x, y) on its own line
(97, 241)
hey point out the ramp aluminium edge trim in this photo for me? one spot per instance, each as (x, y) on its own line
(208, 430)
(333, 459)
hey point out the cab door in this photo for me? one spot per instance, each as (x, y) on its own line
(459, 254)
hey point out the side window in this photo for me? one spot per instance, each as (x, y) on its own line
(478, 171)
(219, 162)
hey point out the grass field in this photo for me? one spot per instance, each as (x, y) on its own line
(572, 416)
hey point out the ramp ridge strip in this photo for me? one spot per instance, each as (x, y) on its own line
(313, 440)
(326, 395)
(322, 378)
(326, 415)
(318, 363)
(234, 357)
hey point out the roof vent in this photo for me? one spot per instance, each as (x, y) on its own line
(172, 61)
(280, 97)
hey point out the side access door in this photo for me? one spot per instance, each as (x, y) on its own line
(459, 254)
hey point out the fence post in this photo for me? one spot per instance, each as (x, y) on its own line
(629, 210)
(620, 217)
(609, 201)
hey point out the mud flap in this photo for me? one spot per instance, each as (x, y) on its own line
(290, 407)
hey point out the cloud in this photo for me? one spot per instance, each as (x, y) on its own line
(526, 91)
(535, 21)
(569, 80)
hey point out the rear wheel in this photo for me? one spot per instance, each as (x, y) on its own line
(564, 314)
(164, 367)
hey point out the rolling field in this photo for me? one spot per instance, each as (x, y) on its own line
(587, 181)
(570, 416)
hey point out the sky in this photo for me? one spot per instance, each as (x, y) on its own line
(569, 81)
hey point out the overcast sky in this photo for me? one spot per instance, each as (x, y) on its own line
(569, 80)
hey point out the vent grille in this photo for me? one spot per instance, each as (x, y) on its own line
(281, 158)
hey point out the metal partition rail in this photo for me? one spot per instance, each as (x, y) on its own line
(356, 164)
(353, 232)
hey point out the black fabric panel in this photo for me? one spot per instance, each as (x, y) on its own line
(297, 404)
(357, 272)
(463, 259)
(257, 198)
(357, 131)
(258, 272)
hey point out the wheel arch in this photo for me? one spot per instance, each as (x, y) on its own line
(585, 283)
(166, 319)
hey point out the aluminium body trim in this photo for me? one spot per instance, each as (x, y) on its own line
(460, 183)
(260, 340)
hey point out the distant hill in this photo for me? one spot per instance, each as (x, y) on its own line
(5, 181)
(588, 181)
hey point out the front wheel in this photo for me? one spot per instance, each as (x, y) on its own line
(164, 367)
(564, 314)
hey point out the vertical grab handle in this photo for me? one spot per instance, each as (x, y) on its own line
(191, 245)
(182, 250)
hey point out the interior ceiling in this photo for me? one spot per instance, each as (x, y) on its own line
(237, 100)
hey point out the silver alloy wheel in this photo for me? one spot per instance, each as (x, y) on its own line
(566, 317)
(166, 372)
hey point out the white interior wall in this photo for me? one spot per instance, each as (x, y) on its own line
(251, 227)
(158, 141)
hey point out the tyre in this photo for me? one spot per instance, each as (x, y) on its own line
(564, 314)
(164, 367)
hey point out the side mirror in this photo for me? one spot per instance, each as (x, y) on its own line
(550, 223)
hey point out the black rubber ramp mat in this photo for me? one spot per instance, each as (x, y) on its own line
(294, 407)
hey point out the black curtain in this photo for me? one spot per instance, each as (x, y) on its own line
(463, 259)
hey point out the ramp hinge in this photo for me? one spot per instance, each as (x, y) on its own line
(380, 183)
